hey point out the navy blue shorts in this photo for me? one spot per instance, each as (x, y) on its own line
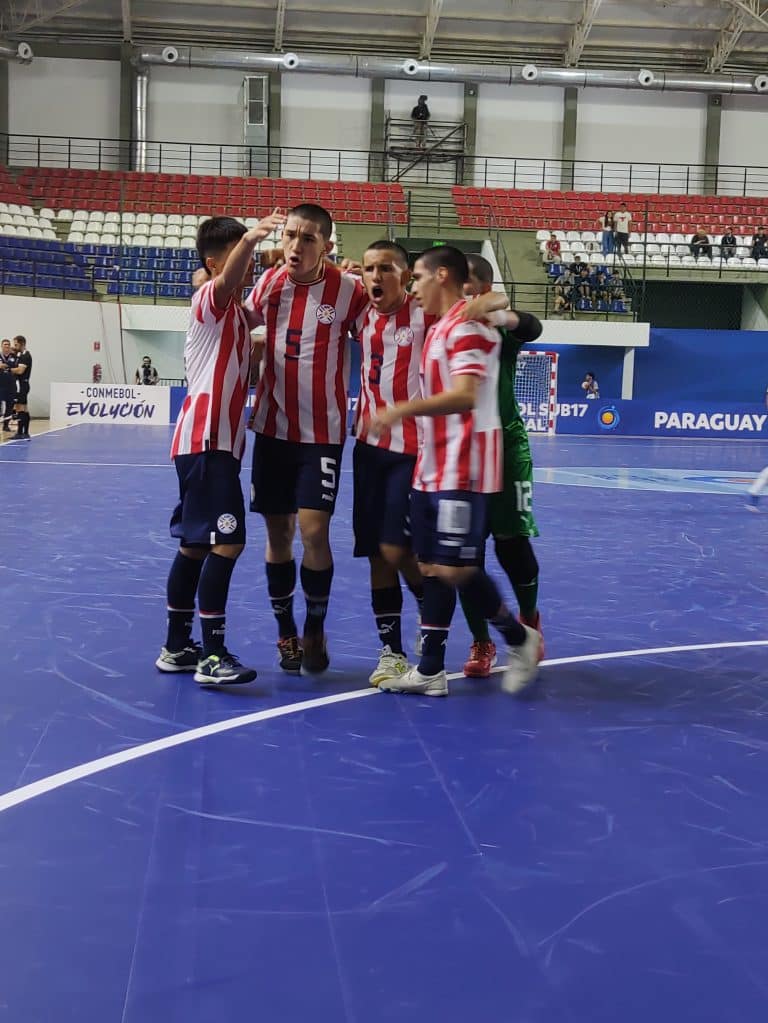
(211, 509)
(449, 527)
(286, 476)
(382, 497)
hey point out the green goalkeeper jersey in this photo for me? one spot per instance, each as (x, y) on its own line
(509, 410)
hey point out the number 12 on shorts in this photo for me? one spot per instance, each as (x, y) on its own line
(524, 497)
(328, 477)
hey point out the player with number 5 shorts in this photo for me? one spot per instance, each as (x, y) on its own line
(511, 520)
(308, 307)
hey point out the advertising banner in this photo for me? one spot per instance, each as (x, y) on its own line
(110, 403)
(654, 419)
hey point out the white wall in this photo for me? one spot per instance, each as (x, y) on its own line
(203, 106)
(640, 127)
(66, 99)
(743, 145)
(524, 122)
(325, 112)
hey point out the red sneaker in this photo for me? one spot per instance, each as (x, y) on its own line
(482, 658)
(534, 622)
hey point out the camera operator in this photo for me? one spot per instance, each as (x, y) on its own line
(146, 374)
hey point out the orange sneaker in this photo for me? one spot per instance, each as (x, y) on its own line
(534, 622)
(482, 658)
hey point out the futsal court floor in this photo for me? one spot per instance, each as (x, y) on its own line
(311, 849)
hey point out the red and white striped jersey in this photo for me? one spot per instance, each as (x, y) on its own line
(391, 345)
(217, 359)
(460, 451)
(302, 391)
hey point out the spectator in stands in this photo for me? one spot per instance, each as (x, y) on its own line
(728, 244)
(553, 252)
(563, 293)
(584, 282)
(590, 386)
(420, 117)
(622, 219)
(146, 374)
(608, 228)
(760, 244)
(700, 244)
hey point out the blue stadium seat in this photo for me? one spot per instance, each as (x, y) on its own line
(617, 306)
(165, 291)
(19, 280)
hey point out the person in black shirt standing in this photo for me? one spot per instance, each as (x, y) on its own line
(420, 116)
(22, 372)
(7, 383)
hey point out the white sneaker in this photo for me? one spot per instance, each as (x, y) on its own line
(414, 682)
(523, 663)
(390, 666)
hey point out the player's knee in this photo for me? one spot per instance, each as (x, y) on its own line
(195, 553)
(454, 575)
(314, 531)
(228, 550)
(393, 555)
(280, 532)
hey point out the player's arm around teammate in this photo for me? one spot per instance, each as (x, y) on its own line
(207, 446)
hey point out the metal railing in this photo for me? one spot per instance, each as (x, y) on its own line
(541, 299)
(360, 165)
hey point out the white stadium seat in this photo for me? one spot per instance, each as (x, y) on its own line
(64, 215)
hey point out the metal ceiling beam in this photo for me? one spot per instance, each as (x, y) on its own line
(581, 31)
(755, 10)
(430, 29)
(727, 40)
(279, 24)
(18, 17)
(127, 29)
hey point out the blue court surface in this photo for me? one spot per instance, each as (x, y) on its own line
(305, 849)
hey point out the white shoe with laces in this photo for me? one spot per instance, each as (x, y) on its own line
(414, 682)
(523, 663)
(390, 666)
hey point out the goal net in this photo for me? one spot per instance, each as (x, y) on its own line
(536, 389)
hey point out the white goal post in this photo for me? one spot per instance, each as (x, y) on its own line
(536, 389)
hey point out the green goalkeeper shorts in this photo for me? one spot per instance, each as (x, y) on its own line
(511, 510)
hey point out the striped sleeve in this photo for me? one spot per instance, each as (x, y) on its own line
(472, 345)
(204, 308)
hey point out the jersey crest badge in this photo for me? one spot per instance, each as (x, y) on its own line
(403, 337)
(226, 523)
(326, 313)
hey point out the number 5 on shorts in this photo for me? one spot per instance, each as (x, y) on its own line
(328, 476)
(524, 497)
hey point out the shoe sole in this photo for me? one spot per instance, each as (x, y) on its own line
(173, 668)
(473, 673)
(216, 683)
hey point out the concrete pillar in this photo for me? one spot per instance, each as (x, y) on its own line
(273, 127)
(4, 103)
(568, 147)
(712, 143)
(377, 160)
(466, 171)
(126, 127)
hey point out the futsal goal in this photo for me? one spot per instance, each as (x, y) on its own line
(536, 389)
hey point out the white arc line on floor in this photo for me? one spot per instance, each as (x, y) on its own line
(56, 781)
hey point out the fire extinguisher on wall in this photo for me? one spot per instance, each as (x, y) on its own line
(97, 373)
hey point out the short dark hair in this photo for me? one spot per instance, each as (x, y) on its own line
(317, 214)
(384, 245)
(216, 234)
(480, 267)
(147, 357)
(451, 259)
(20, 337)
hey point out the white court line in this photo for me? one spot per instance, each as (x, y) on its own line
(91, 465)
(56, 781)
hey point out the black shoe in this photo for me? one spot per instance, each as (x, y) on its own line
(315, 659)
(223, 669)
(289, 649)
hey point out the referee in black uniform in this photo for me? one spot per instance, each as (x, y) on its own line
(22, 372)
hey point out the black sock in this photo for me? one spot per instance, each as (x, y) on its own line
(281, 582)
(481, 590)
(439, 605)
(317, 589)
(25, 416)
(212, 595)
(387, 606)
(180, 590)
(418, 594)
(516, 557)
